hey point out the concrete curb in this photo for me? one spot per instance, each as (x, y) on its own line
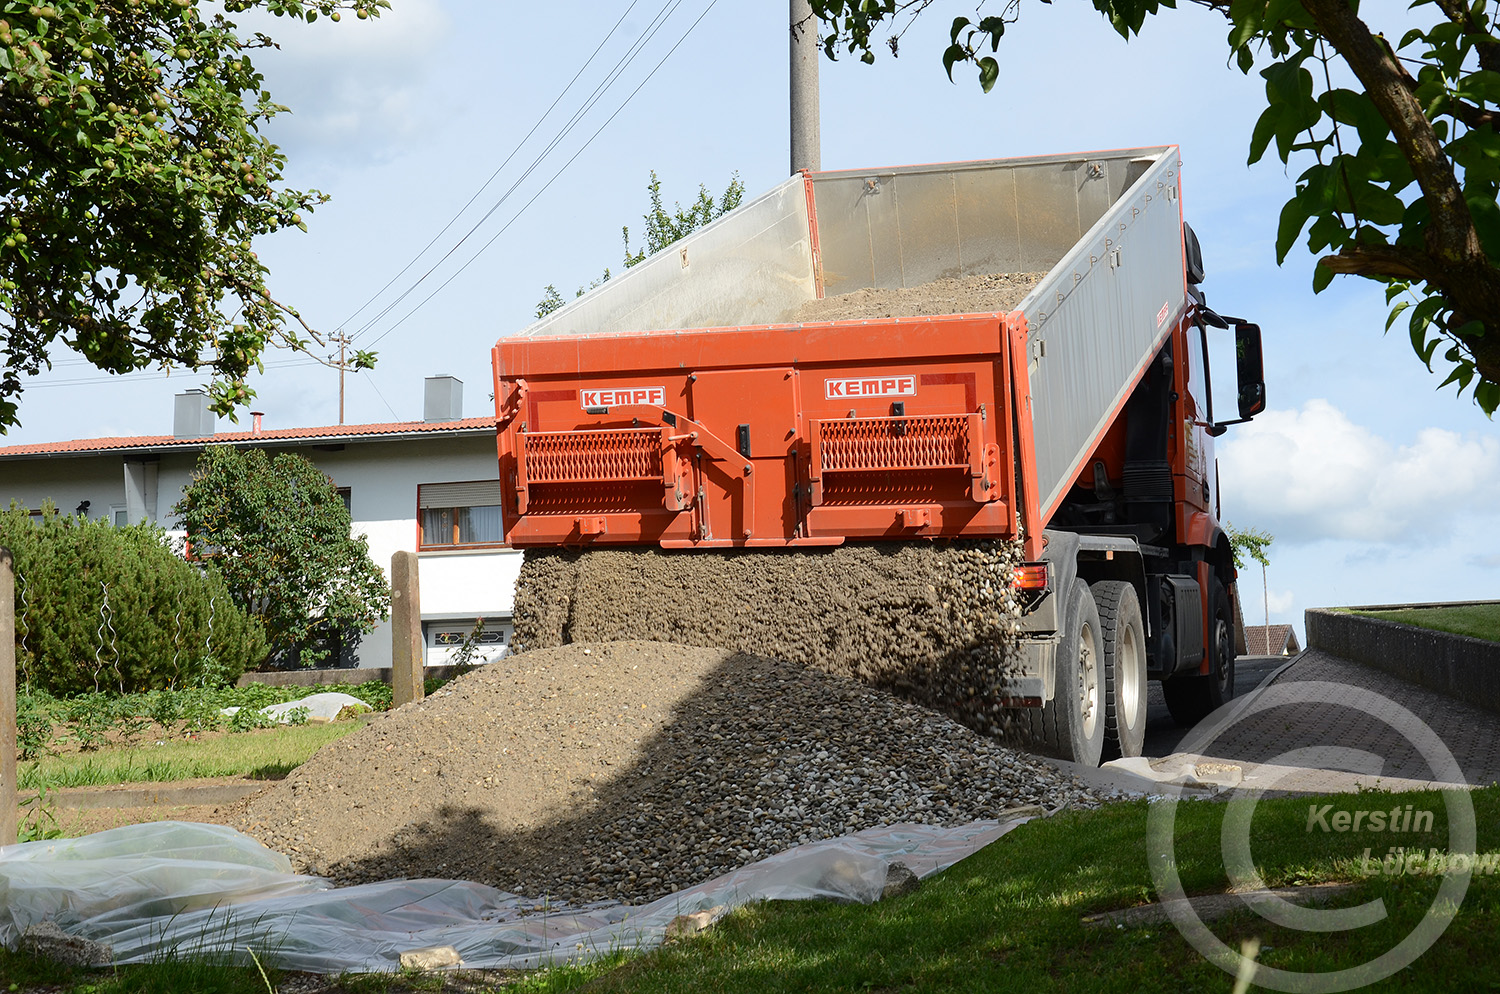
(1461, 667)
(347, 674)
(150, 795)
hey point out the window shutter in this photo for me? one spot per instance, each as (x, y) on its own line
(481, 493)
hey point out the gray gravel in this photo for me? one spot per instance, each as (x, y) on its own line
(932, 621)
(629, 770)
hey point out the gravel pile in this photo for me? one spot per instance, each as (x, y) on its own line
(951, 295)
(632, 769)
(931, 621)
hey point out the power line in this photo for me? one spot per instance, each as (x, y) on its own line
(143, 375)
(513, 152)
(548, 184)
(624, 63)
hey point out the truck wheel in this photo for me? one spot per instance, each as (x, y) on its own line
(1071, 725)
(1123, 641)
(1193, 697)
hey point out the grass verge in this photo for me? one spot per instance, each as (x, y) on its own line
(1010, 917)
(268, 753)
(1480, 621)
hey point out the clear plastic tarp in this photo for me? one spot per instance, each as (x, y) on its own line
(185, 889)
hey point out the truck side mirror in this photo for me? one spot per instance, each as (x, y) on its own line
(1250, 370)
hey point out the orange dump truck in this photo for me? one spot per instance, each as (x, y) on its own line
(705, 401)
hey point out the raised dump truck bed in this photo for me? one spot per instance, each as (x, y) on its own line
(892, 427)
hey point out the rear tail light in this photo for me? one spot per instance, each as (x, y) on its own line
(1031, 576)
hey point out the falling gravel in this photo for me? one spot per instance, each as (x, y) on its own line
(931, 621)
(632, 769)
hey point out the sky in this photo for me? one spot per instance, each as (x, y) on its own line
(422, 126)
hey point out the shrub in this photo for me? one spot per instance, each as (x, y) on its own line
(104, 608)
(276, 530)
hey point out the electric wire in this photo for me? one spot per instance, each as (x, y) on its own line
(548, 184)
(662, 16)
(657, 22)
(513, 152)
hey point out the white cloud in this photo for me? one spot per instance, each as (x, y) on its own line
(356, 88)
(1313, 474)
(1280, 601)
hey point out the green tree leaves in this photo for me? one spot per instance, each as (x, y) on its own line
(1251, 543)
(133, 179)
(277, 531)
(662, 229)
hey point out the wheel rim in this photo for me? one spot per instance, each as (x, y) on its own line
(1128, 679)
(1088, 681)
(1226, 654)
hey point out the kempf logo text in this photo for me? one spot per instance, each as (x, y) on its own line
(623, 396)
(884, 386)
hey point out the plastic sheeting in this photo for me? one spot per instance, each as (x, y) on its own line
(185, 889)
(320, 707)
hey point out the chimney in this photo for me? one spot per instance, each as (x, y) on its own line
(255, 427)
(191, 417)
(443, 398)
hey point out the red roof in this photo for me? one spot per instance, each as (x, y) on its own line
(85, 446)
(1277, 640)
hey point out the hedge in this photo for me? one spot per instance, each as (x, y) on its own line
(106, 608)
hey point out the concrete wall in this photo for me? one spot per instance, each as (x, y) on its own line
(383, 478)
(1456, 665)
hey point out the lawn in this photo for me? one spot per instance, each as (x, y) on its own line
(262, 753)
(1480, 621)
(1011, 918)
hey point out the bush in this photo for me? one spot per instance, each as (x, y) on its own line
(103, 608)
(276, 530)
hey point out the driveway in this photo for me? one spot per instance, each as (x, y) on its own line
(1163, 735)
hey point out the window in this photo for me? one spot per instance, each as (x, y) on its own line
(117, 515)
(346, 494)
(456, 514)
(444, 638)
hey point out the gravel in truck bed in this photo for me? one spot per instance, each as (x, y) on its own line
(629, 770)
(949, 295)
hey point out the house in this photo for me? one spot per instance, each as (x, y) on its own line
(1271, 640)
(427, 486)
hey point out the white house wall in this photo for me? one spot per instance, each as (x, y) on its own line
(382, 478)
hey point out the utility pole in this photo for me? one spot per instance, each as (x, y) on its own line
(343, 341)
(806, 140)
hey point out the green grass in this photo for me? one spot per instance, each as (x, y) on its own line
(1010, 918)
(1480, 621)
(265, 753)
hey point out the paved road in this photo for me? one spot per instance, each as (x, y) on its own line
(1352, 707)
(1163, 734)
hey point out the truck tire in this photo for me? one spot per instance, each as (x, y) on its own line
(1123, 643)
(1071, 725)
(1193, 697)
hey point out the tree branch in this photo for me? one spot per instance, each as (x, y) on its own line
(1484, 43)
(1463, 272)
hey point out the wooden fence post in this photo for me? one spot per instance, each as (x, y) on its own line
(406, 630)
(9, 801)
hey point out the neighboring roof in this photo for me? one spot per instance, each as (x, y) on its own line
(1277, 640)
(291, 436)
